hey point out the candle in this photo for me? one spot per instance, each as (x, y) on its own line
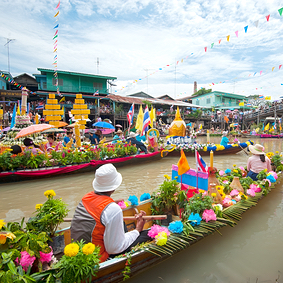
(211, 159)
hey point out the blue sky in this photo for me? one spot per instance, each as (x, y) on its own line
(130, 37)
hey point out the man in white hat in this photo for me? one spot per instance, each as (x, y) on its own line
(133, 140)
(99, 219)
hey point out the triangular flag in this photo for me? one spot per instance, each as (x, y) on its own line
(212, 45)
(58, 5)
(205, 49)
(56, 14)
(260, 73)
(139, 122)
(62, 99)
(273, 69)
(228, 37)
(237, 33)
(280, 67)
(246, 28)
(18, 110)
(256, 23)
(267, 17)
(219, 40)
(183, 165)
(280, 11)
(182, 60)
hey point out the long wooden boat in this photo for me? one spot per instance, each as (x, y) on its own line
(266, 136)
(148, 256)
(47, 172)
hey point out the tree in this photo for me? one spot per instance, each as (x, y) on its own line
(202, 91)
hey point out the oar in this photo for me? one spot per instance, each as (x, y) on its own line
(146, 217)
(242, 147)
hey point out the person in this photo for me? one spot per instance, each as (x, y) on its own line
(30, 146)
(16, 149)
(118, 137)
(139, 145)
(91, 137)
(97, 136)
(140, 137)
(257, 162)
(52, 144)
(99, 219)
(68, 138)
(224, 140)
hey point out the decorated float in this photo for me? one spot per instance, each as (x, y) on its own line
(177, 141)
(198, 205)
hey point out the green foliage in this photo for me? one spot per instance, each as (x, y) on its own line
(127, 269)
(148, 103)
(262, 175)
(276, 160)
(246, 182)
(75, 269)
(202, 91)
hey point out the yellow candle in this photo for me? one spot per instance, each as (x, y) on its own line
(211, 159)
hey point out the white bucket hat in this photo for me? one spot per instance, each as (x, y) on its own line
(106, 179)
(256, 149)
(132, 135)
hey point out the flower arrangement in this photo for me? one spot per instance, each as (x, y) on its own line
(49, 215)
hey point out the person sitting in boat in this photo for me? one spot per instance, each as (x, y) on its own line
(140, 137)
(257, 162)
(139, 145)
(118, 137)
(99, 219)
(52, 144)
(30, 146)
(16, 149)
(91, 136)
(97, 136)
(224, 140)
(68, 138)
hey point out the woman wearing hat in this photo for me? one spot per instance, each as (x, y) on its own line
(258, 162)
(99, 219)
(30, 146)
(224, 140)
(118, 137)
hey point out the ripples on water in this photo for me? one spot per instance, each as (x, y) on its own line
(250, 252)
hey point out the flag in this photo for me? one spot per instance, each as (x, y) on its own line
(266, 127)
(19, 109)
(241, 104)
(261, 97)
(146, 121)
(96, 93)
(130, 115)
(183, 165)
(139, 121)
(200, 126)
(63, 108)
(14, 116)
(201, 166)
(62, 99)
(40, 107)
(152, 116)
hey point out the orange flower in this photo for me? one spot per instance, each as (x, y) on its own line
(2, 239)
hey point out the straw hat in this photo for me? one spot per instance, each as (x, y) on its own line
(256, 149)
(106, 179)
(119, 132)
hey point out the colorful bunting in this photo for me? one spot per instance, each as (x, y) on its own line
(256, 23)
(280, 11)
(273, 69)
(219, 40)
(236, 32)
(246, 28)
(267, 17)
(212, 45)
(205, 49)
(228, 37)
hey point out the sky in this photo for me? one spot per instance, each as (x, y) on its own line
(154, 46)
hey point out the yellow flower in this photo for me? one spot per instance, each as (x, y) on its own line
(2, 223)
(71, 249)
(265, 170)
(277, 152)
(10, 236)
(236, 171)
(38, 206)
(126, 204)
(205, 148)
(234, 165)
(167, 177)
(88, 248)
(219, 187)
(201, 191)
(2, 239)
(213, 195)
(161, 238)
(49, 193)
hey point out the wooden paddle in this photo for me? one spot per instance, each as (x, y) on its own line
(146, 217)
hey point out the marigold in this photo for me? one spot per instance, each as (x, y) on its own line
(2, 223)
(38, 206)
(167, 177)
(88, 248)
(2, 239)
(71, 249)
(161, 238)
(49, 193)
(213, 195)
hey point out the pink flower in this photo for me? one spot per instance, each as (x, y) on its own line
(242, 168)
(155, 229)
(46, 257)
(227, 202)
(251, 192)
(221, 172)
(255, 188)
(26, 260)
(122, 204)
(225, 182)
(269, 183)
(234, 193)
(208, 215)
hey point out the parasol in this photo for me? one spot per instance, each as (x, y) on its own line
(33, 129)
(118, 126)
(54, 130)
(103, 125)
(62, 124)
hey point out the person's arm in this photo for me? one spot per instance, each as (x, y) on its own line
(115, 238)
(249, 165)
(268, 164)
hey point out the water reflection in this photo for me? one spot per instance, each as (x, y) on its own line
(250, 252)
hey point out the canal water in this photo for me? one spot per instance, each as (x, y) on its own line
(252, 251)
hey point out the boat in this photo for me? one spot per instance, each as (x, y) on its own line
(46, 172)
(265, 136)
(204, 150)
(149, 255)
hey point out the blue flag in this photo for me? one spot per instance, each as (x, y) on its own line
(14, 116)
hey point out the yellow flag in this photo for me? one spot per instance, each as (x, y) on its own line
(200, 126)
(62, 99)
(18, 110)
(241, 104)
(228, 37)
(183, 165)
(36, 118)
(266, 127)
(152, 116)
(139, 122)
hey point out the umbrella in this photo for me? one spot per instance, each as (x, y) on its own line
(33, 129)
(228, 111)
(118, 126)
(103, 125)
(54, 130)
(6, 129)
(62, 124)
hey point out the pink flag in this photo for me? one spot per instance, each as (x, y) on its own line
(267, 17)
(205, 49)
(219, 40)
(260, 72)
(280, 67)
(58, 5)
(236, 32)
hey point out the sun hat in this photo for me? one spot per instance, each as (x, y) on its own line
(106, 179)
(132, 135)
(256, 149)
(119, 132)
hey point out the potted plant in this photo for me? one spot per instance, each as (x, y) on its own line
(47, 219)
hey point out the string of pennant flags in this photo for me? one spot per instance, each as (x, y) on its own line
(228, 37)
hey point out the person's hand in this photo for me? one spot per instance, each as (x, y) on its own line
(140, 220)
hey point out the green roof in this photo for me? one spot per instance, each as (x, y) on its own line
(223, 94)
(76, 74)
